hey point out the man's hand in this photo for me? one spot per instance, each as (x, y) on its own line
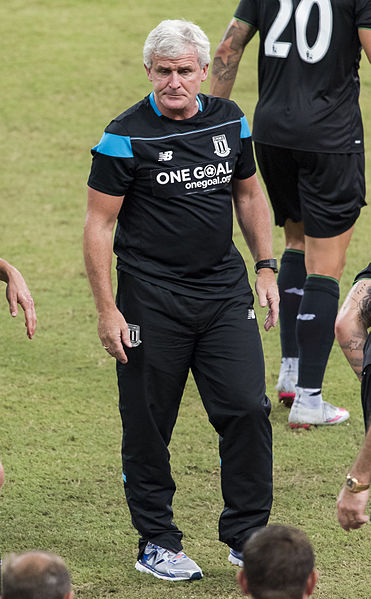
(113, 332)
(267, 290)
(254, 218)
(17, 292)
(351, 508)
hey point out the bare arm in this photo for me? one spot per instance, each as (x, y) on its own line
(351, 506)
(227, 57)
(365, 39)
(253, 216)
(17, 292)
(352, 323)
(102, 211)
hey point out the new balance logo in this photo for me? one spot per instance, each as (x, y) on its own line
(306, 316)
(164, 156)
(250, 314)
(295, 290)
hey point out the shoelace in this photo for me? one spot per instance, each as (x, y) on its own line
(175, 558)
(165, 554)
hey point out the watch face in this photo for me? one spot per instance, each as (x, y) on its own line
(354, 486)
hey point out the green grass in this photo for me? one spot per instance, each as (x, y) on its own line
(67, 68)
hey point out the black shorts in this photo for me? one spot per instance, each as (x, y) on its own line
(325, 191)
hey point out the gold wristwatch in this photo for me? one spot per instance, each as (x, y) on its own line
(354, 486)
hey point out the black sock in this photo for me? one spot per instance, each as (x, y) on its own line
(315, 328)
(291, 279)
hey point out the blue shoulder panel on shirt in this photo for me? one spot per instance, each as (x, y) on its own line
(245, 131)
(118, 146)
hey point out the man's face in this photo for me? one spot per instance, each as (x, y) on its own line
(176, 83)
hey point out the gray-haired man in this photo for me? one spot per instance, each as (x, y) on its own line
(175, 157)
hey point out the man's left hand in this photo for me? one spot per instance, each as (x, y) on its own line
(267, 290)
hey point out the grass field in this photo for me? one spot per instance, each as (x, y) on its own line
(67, 68)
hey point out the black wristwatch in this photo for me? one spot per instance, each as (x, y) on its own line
(269, 263)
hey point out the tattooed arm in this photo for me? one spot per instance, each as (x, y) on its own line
(352, 323)
(227, 57)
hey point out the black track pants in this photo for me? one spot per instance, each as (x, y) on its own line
(220, 342)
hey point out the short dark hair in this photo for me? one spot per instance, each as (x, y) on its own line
(277, 562)
(35, 575)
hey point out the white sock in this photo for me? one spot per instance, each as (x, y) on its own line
(290, 365)
(310, 398)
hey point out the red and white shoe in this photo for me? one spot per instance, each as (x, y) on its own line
(302, 415)
(287, 381)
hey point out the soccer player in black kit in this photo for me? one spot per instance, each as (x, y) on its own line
(165, 170)
(309, 145)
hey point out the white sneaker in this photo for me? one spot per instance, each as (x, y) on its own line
(303, 416)
(235, 558)
(287, 380)
(167, 565)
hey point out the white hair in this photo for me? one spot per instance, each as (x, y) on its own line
(173, 38)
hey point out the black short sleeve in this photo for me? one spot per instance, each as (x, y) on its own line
(113, 165)
(247, 11)
(363, 13)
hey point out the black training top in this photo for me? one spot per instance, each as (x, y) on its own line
(308, 72)
(175, 225)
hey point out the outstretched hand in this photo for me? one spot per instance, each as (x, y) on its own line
(17, 292)
(267, 290)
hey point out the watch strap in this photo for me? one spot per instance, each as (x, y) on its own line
(268, 263)
(354, 486)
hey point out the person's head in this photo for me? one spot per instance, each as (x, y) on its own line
(35, 575)
(278, 564)
(176, 57)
